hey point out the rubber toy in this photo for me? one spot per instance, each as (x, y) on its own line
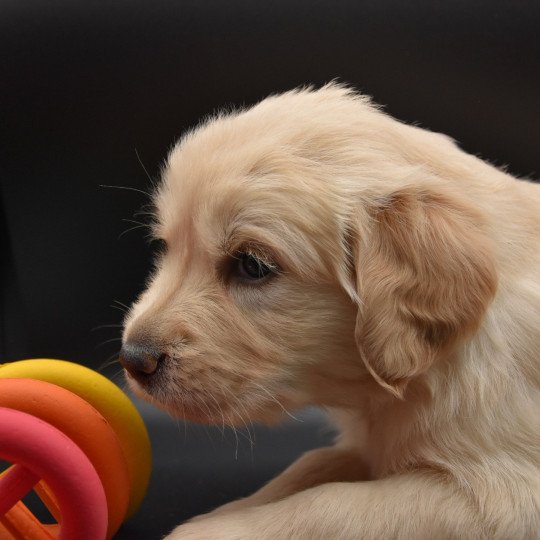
(77, 440)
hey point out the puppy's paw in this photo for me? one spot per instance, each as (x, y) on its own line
(214, 527)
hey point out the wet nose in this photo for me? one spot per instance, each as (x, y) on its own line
(140, 359)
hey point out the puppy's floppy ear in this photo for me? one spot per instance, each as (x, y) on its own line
(425, 276)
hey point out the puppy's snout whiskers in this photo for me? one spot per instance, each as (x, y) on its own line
(274, 398)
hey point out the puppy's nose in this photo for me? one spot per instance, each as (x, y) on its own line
(140, 359)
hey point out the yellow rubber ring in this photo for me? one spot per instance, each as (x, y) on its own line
(109, 401)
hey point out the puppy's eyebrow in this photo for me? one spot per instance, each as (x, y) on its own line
(235, 243)
(253, 240)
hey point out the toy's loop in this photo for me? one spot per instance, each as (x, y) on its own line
(79, 421)
(109, 401)
(62, 465)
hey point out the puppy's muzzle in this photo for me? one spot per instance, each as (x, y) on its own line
(140, 359)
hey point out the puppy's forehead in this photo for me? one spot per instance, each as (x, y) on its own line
(208, 187)
(290, 146)
(215, 204)
(220, 192)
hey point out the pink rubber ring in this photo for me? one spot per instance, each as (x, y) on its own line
(52, 456)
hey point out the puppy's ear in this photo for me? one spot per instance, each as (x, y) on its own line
(425, 276)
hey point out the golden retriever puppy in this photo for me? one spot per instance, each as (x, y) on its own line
(320, 252)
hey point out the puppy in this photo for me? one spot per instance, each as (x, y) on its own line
(320, 252)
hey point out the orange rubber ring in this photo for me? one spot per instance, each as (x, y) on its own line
(79, 421)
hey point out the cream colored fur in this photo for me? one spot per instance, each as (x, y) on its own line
(407, 303)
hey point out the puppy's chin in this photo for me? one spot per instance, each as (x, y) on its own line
(180, 403)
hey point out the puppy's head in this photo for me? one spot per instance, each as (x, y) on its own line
(296, 269)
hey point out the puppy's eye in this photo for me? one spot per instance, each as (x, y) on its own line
(248, 267)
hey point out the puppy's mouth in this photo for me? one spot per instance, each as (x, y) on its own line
(209, 402)
(175, 397)
(205, 395)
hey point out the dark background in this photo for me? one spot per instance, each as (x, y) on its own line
(85, 86)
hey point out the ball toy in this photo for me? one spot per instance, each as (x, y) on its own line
(77, 440)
